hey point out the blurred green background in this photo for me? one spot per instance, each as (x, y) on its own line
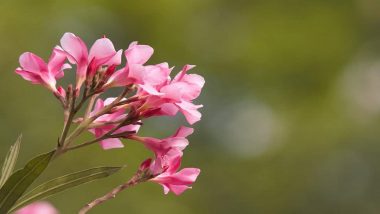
(291, 122)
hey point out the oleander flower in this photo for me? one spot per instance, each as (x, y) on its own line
(133, 72)
(160, 147)
(164, 171)
(102, 53)
(35, 70)
(38, 208)
(177, 94)
(107, 122)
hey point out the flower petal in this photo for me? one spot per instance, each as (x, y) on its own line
(57, 62)
(138, 54)
(111, 143)
(32, 63)
(77, 53)
(190, 111)
(178, 189)
(183, 131)
(75, 47)
(101, 48)
(32, 77)
(183, 72)
(37, 208)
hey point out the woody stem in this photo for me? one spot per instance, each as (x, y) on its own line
(136, 179)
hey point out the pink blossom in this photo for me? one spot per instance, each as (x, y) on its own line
(38, 208)
(133, 72)
(165, 172)
(176, 94)
(154, 77)
(102, 53)
(161, 147)
(163, 96)
(35, 70)
(107, 122)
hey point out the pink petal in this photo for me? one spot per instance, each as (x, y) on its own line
(178, 189)
(157, 74)
(57, 62)
(152, 144)
(43, 78)
(183, 131)
(102, 48)
(30, 76)
(182, 73)
(166, 189)
(32, 63)
(77, 53)
(111, 143)
(150, 90)
(75, 47)
(177, 143)
(37, 208)
(190, 111)
(169, 109)
(194, 79)
(173, 159)
(181, 90)
(119, 78)
(136, 73)
(99, 104)
(187, 175)
(116, 59)
(153, 101)
(138, 54)
(156, 167)
(174, 91)
(193, 83)
(131, 74)
(128, 128)
(103, 53)
(60, 74)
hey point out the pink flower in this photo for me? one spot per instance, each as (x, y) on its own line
(102, 53)
(107, 122)
(163, 96)
(176, 94)
(155, 76)
(133, 72)
(160, 147)
(165, 172)
(38, 208)
(35, 70)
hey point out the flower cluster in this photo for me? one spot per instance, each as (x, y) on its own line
(148, 90)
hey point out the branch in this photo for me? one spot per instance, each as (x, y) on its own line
(136, 179)
(87, 121)
(67, 124)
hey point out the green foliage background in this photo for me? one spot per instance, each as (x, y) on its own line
(291, 122)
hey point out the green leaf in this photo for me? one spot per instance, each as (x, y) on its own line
(19, 181)
(10, 161)
(63, 183)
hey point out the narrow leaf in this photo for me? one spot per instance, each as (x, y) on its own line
(10, 161)
(63, 183)
(19, 181)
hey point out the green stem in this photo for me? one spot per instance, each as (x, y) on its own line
(68, 122)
